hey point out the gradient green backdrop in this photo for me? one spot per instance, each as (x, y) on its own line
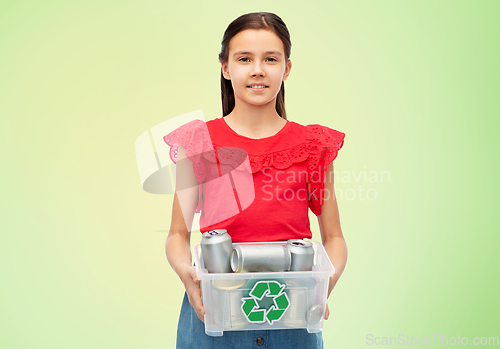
(413, 84)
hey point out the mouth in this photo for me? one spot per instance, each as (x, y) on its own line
(257, 86)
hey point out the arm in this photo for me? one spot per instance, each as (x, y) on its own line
(177, 246)
(331, 232)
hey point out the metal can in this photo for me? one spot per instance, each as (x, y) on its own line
(226, 303)
(302, 254)
(216, 247)
(301, 293)
(252, 258)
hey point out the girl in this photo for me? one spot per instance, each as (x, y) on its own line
(291, 168)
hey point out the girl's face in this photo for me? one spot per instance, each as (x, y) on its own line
(256, 66)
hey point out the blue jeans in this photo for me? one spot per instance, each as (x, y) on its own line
(191, 335)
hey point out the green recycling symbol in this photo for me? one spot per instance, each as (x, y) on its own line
(250, 306)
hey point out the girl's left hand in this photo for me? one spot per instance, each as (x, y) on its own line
(327, 312)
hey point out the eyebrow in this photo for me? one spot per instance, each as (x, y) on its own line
(250, 53)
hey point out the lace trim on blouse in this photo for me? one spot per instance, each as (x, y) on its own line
(320, 148)
(323, 144)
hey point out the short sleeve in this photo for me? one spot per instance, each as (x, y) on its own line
(195, 138)
(323, 144)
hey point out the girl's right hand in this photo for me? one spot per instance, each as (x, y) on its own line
(192, 286)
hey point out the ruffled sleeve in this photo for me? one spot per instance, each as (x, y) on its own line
(193, 137)
(323, 144)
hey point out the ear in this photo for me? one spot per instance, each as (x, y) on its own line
(225, 71)
(288, 67)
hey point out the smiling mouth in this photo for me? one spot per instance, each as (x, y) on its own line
(257, 86)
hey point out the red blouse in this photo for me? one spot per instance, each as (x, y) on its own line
(258, 189)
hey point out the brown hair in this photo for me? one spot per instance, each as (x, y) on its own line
(255, 20)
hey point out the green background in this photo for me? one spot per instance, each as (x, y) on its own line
(413, 84)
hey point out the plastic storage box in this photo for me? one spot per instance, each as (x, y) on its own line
(265, 300)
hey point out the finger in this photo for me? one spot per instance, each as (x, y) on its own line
(194, 275)
(201, 317)
(327, 312)
(194, 297)
(200, 312)
(199, 306)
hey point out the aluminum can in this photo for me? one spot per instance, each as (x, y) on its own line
(260, 257)
(302, 254)
(301, 293)
(227, 308)
(216, 247)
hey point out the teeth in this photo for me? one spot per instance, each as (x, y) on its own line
(258, 86)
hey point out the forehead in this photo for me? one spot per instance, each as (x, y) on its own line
(256, 41)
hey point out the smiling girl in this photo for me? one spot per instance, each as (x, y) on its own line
(255, 62)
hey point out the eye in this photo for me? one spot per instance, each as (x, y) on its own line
(243, 59)
(272, 59)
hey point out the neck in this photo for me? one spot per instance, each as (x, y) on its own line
(255, 121)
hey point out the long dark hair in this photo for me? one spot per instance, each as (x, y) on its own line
(255, 20)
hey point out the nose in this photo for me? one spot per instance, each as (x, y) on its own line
(257, 71)
(258, 74)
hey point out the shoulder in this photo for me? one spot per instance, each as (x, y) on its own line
(323, 144)
(194, 130)
(316, 133)
(187, 133)
(214, 122)
(324, 135)
(216, 129)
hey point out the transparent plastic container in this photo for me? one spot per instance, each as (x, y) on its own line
(265, 300)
